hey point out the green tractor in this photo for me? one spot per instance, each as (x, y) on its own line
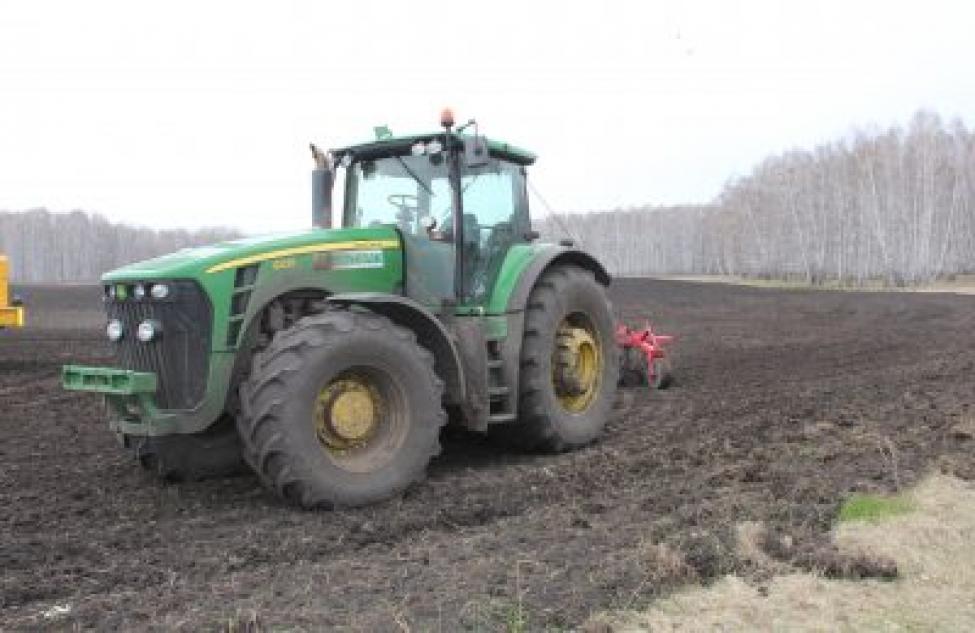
(328, 360)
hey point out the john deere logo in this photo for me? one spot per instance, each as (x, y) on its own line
(284, 263)
(343, 260)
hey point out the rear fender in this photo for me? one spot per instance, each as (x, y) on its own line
(549, 258)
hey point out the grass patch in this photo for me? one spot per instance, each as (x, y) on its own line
(936, 567)
(873, 508)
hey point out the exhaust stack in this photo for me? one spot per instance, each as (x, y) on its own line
(322, 179)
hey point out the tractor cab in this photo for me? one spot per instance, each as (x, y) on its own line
(458, 201)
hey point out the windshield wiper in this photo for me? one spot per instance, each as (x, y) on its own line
(415, 177)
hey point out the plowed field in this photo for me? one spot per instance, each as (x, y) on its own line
(784, 402)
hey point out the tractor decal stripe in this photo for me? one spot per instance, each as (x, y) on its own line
(304, 250)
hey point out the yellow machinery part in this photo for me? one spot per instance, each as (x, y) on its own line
(10, 316)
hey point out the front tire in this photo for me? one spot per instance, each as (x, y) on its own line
(569, 363)
(341, 410)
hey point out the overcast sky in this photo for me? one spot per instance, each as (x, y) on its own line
(199, 113)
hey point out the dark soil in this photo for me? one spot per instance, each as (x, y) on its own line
(784, 403)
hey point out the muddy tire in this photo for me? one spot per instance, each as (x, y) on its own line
(569, 363)
(341, 410)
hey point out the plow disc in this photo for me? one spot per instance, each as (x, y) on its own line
(644, 361)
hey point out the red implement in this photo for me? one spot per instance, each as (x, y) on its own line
(644, 360)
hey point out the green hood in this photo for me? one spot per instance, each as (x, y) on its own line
(194, 262)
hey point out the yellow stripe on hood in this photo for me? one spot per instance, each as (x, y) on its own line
(304, 250)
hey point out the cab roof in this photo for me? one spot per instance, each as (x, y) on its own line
(396, 144)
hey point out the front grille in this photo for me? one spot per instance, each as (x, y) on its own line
(180, 356)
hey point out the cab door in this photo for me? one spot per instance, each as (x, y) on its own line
(495, 217)
(429, 263)
(405, 191)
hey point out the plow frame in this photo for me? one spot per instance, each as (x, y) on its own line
(651, 347)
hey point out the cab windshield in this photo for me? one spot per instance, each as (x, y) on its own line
(400, 190)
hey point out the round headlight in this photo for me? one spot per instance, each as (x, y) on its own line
(114, 330)
(159, 291)
(148, 330)
(139, 292)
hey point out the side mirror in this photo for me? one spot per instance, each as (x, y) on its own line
(476, 152)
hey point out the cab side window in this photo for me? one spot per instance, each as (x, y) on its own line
(495, 212)
(489, 197)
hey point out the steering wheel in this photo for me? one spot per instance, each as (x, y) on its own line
(404, 200)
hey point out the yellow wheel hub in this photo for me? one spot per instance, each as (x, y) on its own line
(577, 365)
(347, 413)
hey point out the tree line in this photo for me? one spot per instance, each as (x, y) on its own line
(896, 205)
(66, 247)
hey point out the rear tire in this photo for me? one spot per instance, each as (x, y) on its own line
(566, 390)
(341, 410)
